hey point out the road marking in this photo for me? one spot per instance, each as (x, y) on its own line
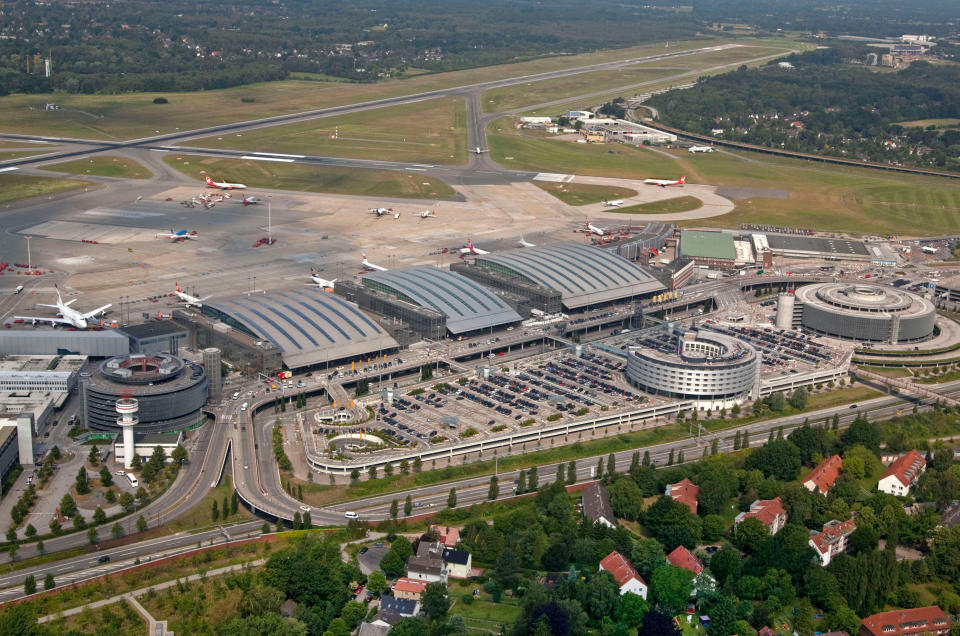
(277, 154)
(254, 158)
(11, 169)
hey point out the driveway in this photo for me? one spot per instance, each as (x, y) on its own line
(370, 560)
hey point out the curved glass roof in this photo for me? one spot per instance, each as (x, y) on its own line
(467, 305)
(584, 275)
(310, 327)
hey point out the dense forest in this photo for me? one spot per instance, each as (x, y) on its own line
(149, 46)
(825, 104)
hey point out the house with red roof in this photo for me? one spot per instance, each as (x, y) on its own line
(902, 474)
(821, 478)
(408, 588)
(447, 535)
(832, 540)
(624, 574)
(921, 620)
(681, 557)
(770, 512)
(685, 492)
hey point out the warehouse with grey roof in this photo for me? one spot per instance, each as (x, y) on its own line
(309, 327)
(584, 275)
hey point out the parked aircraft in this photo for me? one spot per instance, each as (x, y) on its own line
(224, 185)
(696, 149)
(322, 283)
(187, 299)
(428, 214)
(368, 265)
(663, 183)
(182, 235)
(524, 243)
(614, 204)
(68, 315)
(380, 211)
(470, 249)
(593, 229)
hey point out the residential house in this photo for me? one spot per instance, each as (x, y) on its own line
(821, 479)
(447, 535)
(902, 474)
(770, 512)
(597, 506)
(684, 491)
(458, 563)
(408, 588)
(681, 557)
(832, 540)
(624, 574)
(921, 620)
(403, 606)
(427, 564)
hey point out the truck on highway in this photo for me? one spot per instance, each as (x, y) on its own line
(18, 289)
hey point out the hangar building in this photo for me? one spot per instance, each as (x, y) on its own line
(464, 305)
(583, 275)
(101, 343)
(309, 327)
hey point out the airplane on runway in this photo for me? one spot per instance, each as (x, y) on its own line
(614, 204)
(370, 266)
(251, 201)
(524, 243)
(428, 214)
(182, 235)
(380, 211)
(68, 315)
(696, 149)
(322, 283)
(663, 183)
(590, 228)
(223, 185)
(187, 299)
(470, 249)
(479, 151)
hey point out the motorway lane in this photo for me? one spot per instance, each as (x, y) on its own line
(86, 566)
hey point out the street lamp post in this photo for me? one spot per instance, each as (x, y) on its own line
(29, 261)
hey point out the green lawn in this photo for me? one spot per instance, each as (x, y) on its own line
(102, 166)
(666, 206)
(432, 131)
(924, 123)
(201, 515)
(312, 178)
(14, 187)
(17, 154)
(584, 193)
(117, 619)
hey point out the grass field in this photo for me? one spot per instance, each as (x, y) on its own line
(309, 178)
(14, 187)
(432, 131)
(201, 515)
(6, 155)
(924, 123)
(828, 198)
(666, 206)
(584, 193)
(102, 166)
(117, 619)
(135, 115)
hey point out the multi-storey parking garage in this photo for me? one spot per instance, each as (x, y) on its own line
(171, 392)
(714, 369)
(864, 312)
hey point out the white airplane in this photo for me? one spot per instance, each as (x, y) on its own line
(380, 211)
(614, 204)
(428, 214)
(593, 229)
(524, 243)
(396, 215)
(470, 249)
(69, 316)
(187, 299)
(223, 185)
(251, 201)
(663, 183)
(182, 235)
(322, 283)
(696, 149)
(368, 265)
(479, 151)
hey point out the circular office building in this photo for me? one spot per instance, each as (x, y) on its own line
(865, 312)
(714, 369)
(171, 392)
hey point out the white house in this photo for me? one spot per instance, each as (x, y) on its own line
(624, 574)
(902, 474)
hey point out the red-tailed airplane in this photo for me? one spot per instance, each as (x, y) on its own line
(663, 183)
(187, 299)
(593, 229)
(223, 185)
(470, 249)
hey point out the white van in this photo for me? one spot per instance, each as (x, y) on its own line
(236, 396)
(351, 515)
(243, 407)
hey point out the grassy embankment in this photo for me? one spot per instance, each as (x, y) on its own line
(584, 193)
(666, 206)
(102, 166)
(313, 178)
(15, 187)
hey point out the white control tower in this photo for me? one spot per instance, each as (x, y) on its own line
(127, 410)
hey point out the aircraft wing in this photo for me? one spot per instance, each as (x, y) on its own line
(43, 319)
(91, 314)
